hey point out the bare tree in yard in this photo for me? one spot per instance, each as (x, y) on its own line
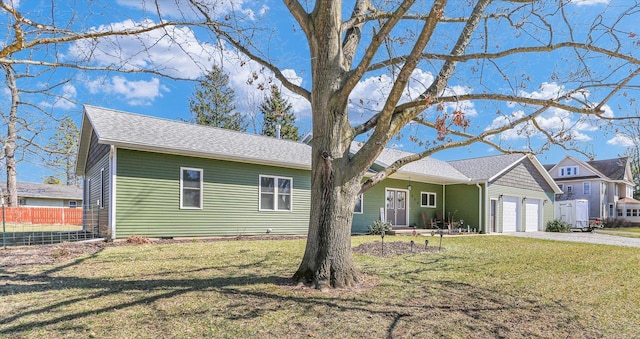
(32, 48)
(630, 132)
(500, 51)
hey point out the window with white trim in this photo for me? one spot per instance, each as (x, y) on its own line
(191, 188)
(568, 171)
(586, 188)
(359, 208)
(427, 199)
(73, 204)
(275, 193)
(570, 189)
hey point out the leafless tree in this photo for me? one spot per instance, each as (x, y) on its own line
(494, 48)
(34, 46)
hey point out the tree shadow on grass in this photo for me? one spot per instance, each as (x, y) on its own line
(417, 304)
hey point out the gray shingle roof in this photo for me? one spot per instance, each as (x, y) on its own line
(141, 132)
(434, 169)
(43, 191)
(487, 167)
(129, 130)
(614, 169)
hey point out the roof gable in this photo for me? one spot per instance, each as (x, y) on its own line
(492, 167)
(608, 169)
(486, 168)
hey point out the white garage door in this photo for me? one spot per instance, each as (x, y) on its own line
(509, 214)
(532, 222)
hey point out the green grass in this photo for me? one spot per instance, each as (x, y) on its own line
(481, 287)
(629, 232)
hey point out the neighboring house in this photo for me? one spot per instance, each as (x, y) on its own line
(44, 195)
(159, 178)
(606, 184)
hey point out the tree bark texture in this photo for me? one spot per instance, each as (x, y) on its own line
(10, 141)
(328, 261)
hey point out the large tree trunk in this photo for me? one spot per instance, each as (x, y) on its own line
(10, 141)
(328, 261)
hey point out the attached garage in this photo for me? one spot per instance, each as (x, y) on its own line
(532, 219)
(510, 214)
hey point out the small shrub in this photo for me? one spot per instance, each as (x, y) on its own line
(616, 223)
(558, 226)
(137, 240)
(378, 226)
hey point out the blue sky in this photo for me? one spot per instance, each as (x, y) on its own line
(285, 45)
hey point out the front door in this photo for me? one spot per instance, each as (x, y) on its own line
(396, 206)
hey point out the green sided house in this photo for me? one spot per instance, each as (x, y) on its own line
(154, 177)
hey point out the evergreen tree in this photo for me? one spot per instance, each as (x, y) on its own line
(212, 103)
(63, 151)
(277, 110)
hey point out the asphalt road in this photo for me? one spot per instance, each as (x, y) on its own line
(586, 237)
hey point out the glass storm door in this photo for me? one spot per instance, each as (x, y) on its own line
(396, 206)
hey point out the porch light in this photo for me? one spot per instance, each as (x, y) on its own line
(409, 187)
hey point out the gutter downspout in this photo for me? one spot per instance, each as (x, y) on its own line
(444, 202)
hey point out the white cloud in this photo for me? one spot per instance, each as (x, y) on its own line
(66, 99)
(183, 9)
(136, 93)
(369, 96)
(174, 51)
(622, 140)
(590, 2)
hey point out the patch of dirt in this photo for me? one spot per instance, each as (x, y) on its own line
(56, 253)
(51, 254)
(394, 248)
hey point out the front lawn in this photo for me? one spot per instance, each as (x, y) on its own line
(480, 287)
(630, 232)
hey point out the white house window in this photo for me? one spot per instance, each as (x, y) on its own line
(275, 193)
(190, 188)
(561, 187)
(73, 204)
(568, 171)
(569, 189)
(586, 188)
(629, 192)
(427, 199)
(359, 208)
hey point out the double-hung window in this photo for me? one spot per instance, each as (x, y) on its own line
(586, 188)
(427, 199)
(275, 193)
(190, 188)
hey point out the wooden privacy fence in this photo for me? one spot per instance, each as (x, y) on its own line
(43, 215)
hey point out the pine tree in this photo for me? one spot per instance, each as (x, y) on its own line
(63, 151)
(277, 110)
(212, 103)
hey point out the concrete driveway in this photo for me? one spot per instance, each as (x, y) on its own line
(586, 237)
